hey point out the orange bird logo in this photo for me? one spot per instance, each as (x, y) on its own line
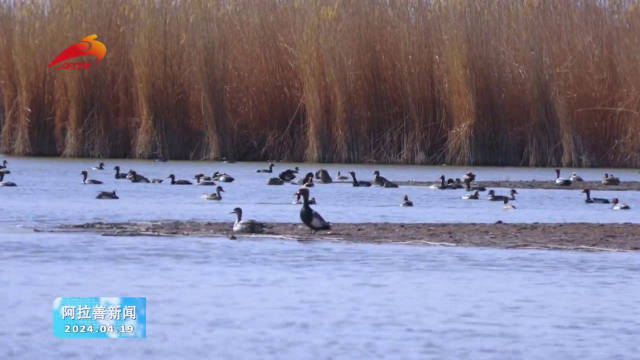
(88, 46)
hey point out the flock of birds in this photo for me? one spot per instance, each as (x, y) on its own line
(309, 217)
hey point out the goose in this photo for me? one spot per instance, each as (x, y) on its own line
(491, 196)
(5, 171)
(5, 183)
(467, 185)
(471, 176)
(222, 177)
(298, 200)
(134, 177)
(406, 202)
(287, 175)
(202, 177)
(119, 175)
(308, 177)
(269, 170)
(178, 182)
(590, 200)
(455, 184)
(617, 205)
(4, 164)
(310, 217)
(200, 181)
(89, 181)
(508, 206)
(561, 181)
(107, 195)
(246, 226)
(440, 186)
(382, 181)
(99, 167)
(275, 181)
(357, 183)
(323, 176)
(215, 196)
(610, 180)
(474, 196)
(575, 178)
(342, 177)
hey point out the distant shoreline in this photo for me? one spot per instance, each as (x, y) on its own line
(570, 236)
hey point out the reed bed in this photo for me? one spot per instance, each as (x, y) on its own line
(479, 82)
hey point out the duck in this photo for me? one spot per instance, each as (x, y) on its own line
(84, 174)
(311, 218)
(323, 176)
(202, 177)
(215, 196)
(308, 177)
(5, 183)
(342, 177)
(455, 184)
(4, 164)
(107, 195)
(298, 200)
(246, 226)
(491, 196)
(222, 177)
(610, 180)
(382, 181)
(156, 181)
(562, 181)
(474, 196)
(287, 175)
(470, 176)
(617, 205)
(202, 182)
(590, 200)
(357, 183)
(575, 178)
(134, 177)
(508, 206)
(275, 181)
(5, 171)
(442, 185)
(99, 167)
(178, 182)
(119, 175)
(269, 170)
(406, 202)
(468, 187)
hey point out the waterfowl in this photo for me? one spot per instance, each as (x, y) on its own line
(311, 218)
(455, 184)
(5, 171)
(468, 187)
(357, 183)
(382, 181)
(134, 177)
(590, 200)
(507, 206)
(298, 200)
(474, 196)
(561, 181)
(99, 167)
(215, 196)
(246, 226)
(406, 202)
(203, 182)
(178, 182)
(575, 178)
(308, 178)
(107, 195)
(5, 183)
(275, 181)
(323, 176)
(269, 170)
(342, 177)
(440, 186)
(470, 176)
(287, 175)
(88, 181)
(202, 177)
(491, 196)
(222, 177)
(156, 181)
(617, 205)
(4, 164)
(610, 180)
(119, 175)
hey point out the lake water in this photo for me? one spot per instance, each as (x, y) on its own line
(266, 298)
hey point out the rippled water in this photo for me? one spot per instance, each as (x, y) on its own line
(265, 298)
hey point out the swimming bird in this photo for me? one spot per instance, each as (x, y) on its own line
(610, 180)
(203, 182)
(215, 196)
(222, 177)
(202, 177)
(156, 181)
(342, 177)
(287, 175)
(323, 176)
(561, 181)
(4, 164)
(311, 218)
(107, 195)
(99, 167)
(590, 200)
(5, 183)
(246, 226)
(508, 206)
(269, 170)
(406, 202)
(575, 178)
(382, 181)
(474, 196)
(119, 175)
(178, 182)
(5, 171)
(84, 174)
(134, 177)
(491, 196)
(441, 186)
(275, 181)
(617, 205)
(357, 183)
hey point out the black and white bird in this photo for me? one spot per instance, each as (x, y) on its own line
(357, 183)
(119, 175)
(107, 195)
(85, 174)
(310, 217)
(178, 182)
(246, 226)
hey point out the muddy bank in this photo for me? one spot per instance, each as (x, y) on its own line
(580, 236)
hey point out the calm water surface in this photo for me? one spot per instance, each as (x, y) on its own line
(265, 298)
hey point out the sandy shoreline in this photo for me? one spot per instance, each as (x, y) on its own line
(574, 236)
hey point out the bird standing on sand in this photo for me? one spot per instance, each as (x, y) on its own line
(84, 174)
(442, 185)
(107, 195)
(246, 226)
(310, 217)
(382, 181)
(561, 181)
(610, 180)
(575, 178)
